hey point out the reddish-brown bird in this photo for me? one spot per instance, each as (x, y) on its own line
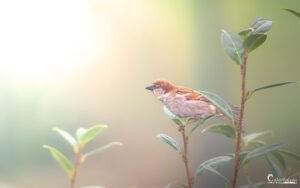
(182, 102)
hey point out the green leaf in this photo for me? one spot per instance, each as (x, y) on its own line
(170, 141)
(69, 138)
(233, 45)
(253, 136)
(86, 135)
(212, 164)
(277, 155)
(271, 86)
(227, 183)
(183, 186)
(200, 123)
(61, 159)
(259, 185)
(101, 149)
(245, 33)
(290, 154)
(177, 120)
(254, 41)
(169, 113)
(256, 143)
(275, 167)
(224, 129)
(241, 157)
(261, 25)
(220, 103)
(256, 185)
(262, 151)
(292, 11)
(176, 185)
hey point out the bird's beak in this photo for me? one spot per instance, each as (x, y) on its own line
(151, 87)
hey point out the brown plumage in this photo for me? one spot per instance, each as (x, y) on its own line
(182, 102)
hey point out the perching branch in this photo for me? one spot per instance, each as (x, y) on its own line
(239, 124)
(185, 156)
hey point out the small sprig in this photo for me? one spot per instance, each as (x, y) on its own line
(83, 136)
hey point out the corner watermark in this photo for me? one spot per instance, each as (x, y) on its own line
(272, 180)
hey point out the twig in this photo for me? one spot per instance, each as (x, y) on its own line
(78, 157)
(239, 124)
(185, 157)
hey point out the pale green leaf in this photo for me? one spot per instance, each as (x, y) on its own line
(220, 103)
(177, 120)
(253, 136)
(101, 149)
(261, 25)
(256, 143)
(61, 159)
(254, 41)
(183, 186)
(69, 138)
(200, 123)
(245, 33)
(86, 135)
(227, 183)
(212, 164)
(171, 185)
(224, 129)
(290, 154)
(170, 141)
(233, 45)
(271, 86)
(80, 132)
(275, 167)
(241, 156)
(256, 185)
(277, 155)
(257, 152)
(259, 185)
(169, 113)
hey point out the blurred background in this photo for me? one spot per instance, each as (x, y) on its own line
(72, 64)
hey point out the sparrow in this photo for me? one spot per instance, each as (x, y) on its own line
(181, 101)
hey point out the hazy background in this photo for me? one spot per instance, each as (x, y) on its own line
(77, 63)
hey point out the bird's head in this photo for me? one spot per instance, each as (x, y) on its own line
(161, 87)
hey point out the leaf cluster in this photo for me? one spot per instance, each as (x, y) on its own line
(239, 45)
(83, 136)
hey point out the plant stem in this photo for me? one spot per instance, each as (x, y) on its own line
(78, 157)
(185, 156)
(239, 124)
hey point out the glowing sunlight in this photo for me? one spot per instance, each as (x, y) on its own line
(42, 43)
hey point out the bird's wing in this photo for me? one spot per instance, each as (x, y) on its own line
(190, 94)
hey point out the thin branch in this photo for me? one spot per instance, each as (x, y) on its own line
(77, 162)
(185, 157)
(239, 124)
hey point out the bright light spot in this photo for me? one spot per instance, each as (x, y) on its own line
(43, 40)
